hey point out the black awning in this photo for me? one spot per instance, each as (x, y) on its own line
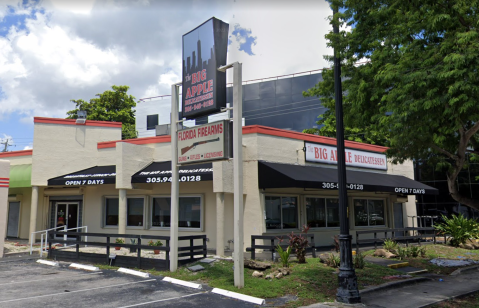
(160, 172)
(274, 175)
(97, 175)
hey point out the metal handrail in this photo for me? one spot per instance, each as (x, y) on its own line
(32, 238)
(44, 237)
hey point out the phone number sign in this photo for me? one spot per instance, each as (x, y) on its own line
(204, 143)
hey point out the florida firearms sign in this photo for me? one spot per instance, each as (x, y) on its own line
(204, 142)
(320, 153)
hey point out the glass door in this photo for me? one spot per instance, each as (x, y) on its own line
(67, 215)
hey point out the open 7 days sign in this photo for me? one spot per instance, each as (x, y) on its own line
(205, 142)
(320, 153)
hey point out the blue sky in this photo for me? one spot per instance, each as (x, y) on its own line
(52, 51)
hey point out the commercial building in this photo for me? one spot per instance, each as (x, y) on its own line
(85, 175)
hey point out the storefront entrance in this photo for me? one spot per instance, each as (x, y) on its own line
(66, 213)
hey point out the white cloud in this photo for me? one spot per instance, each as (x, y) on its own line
(74, 6)
(76, 49)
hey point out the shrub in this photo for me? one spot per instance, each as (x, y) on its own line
(459, 228)
(414, 251)
(402, 252)
(336, 243)
(333, 260)
(358, 260)
(120, 241)
(390, 245)
(299, 244)
(284, 255)
(155, 243)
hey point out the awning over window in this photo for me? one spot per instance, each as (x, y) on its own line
(274, 175)
(97, 175)
(160, 172)
(20, 176)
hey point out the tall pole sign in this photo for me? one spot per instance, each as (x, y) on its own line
(204, 87)
(347, 281)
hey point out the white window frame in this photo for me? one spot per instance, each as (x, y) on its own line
(306, 211)
(298, 208)
(385, 203)
(183, 229)
(103, 216)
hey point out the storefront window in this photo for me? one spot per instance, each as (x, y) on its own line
(369, 212)
(111, 217)
(281, 212)
(321, 212)
(134, 212)
(189, 212)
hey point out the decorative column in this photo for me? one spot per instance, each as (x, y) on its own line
(220, 224)
(122, 212)
(33, 213)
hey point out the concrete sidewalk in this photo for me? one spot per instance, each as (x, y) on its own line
(433, 289)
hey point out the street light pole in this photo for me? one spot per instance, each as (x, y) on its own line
(347, 281)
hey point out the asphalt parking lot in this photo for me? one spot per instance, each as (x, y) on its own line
(25, 283)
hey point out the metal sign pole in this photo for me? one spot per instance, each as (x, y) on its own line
(238, 173)
(238, 257)
(174, 179)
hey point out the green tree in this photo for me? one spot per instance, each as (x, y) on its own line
(417, 88)
(112, 105)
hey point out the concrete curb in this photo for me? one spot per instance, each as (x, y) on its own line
(84, 267)
(51, 263)
(132, 272)
(394, 284)
(246, 298)
(183, 283)
(465, 270)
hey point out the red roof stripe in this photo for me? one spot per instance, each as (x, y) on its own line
(16, 153)
(73, 122)
(145, 140)
(259, 129)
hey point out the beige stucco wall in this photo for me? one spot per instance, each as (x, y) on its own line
(61, 148)
(93, 211)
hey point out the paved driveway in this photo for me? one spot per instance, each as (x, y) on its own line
(29, 284)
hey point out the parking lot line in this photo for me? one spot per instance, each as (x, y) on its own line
(77, 291)
(162, 300)
(52, 278)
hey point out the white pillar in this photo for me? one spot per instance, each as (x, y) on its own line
(238, 174)
(33, 213)
(220, 224)
(122, 212)
(175, 189)
(4, 183)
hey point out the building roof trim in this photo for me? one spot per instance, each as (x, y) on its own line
(138, 141)
(73, 122)
(259, 129)
(265, 130)
(16, 153)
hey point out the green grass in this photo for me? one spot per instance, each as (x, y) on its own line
(311, 282)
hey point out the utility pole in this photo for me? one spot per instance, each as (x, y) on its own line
(6, 142)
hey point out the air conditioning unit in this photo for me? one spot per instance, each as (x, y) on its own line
(81, 117)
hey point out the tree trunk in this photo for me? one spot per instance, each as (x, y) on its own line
(454, 192)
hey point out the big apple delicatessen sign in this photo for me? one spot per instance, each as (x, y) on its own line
(320, 153)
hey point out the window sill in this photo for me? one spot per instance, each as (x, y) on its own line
(179, 229)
